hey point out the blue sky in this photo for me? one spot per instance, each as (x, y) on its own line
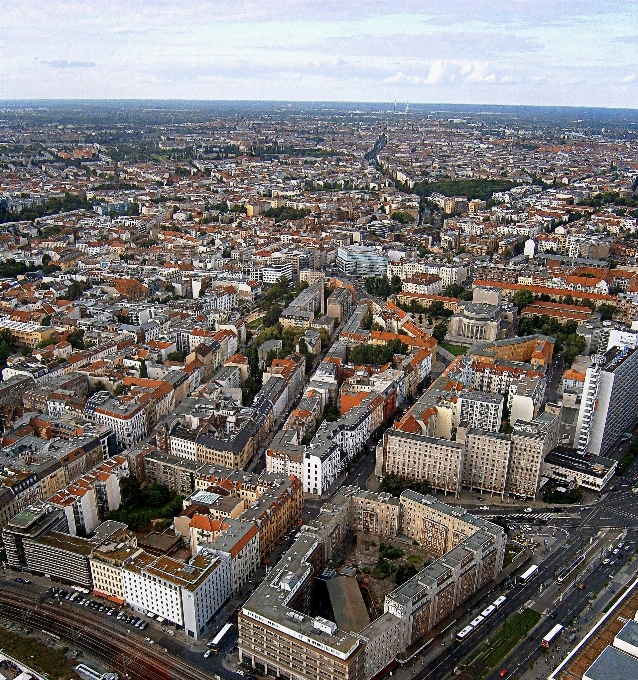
(572, 52)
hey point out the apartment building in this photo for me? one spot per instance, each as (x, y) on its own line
(26, 334)
(376, 513)
(486, 461)
(276, 633)
(609, 405)
(361, 261)
(186, 594)
(531, 442)
(413, 455)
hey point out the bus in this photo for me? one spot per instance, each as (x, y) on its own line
(527, 575)
(488, 611)
(564, 574)
(499, 601)
(551, 636)
(478, 621)
(216, 642)
(462, 634)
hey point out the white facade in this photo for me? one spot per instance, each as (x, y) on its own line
(187, 595)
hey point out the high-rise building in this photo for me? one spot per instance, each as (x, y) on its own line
(609, 405)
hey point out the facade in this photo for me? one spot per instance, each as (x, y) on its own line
(361, 261)
(609, 405)
(486, 461)
(186, 594)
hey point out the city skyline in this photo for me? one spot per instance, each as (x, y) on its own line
(548, 53)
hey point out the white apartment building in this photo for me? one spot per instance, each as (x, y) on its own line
(419, 457)
(186, 594)
(609, 405)
(481, 410)
(240, 544)
(126, 419)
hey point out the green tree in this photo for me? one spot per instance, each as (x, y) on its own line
(439, 332)
(523, 298)
(130, 491)
(607, 311)
(402, 217)
(453, 290)
(405, 572)
(76, 338)
(176, 355)
(46, 320)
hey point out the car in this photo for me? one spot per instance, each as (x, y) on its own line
(528, 510)
(627, 548)
(504, 672)
(616, 551)
(207, 653)
(484, 507)
(581, 586)
(120, 616)
(240, 672)
(143, 625)
(26, 580)
(19, 580)
(553, 615)
(606, 560)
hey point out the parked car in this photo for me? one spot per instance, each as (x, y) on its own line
(207, 653)
(504, 672)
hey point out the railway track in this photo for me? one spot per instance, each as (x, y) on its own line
(99, 638)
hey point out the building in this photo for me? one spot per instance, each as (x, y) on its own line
(27, 334)
(186, 594)
(279, 636)
(568, 468)
(609, 404)
(486, 461)
(361, 261)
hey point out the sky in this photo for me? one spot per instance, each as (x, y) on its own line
(541, 52)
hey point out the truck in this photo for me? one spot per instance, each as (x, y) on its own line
(551, 636)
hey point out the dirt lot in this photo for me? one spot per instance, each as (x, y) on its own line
(362, 552)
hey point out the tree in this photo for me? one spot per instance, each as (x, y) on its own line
(453, 290)
(176, 355)
(158, 494)
(46, 320)
(130, 491)
(607, 311)
(143, 369)
(523, 298)
(76, 338)
(403, 217)
(405, 572)
(395, 284)
(439, 332)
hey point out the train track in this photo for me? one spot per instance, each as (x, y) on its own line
(124, 653)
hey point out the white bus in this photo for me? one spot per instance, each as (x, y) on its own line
(462, 634)
(499, 601)
(527, 575)
(216, 642)
(478, 621)
(551, 636)
(488, 611)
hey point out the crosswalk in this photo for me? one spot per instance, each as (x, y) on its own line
(534, 515)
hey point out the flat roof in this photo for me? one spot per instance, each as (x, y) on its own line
(612, 664)
(347, 603)
(628, 633)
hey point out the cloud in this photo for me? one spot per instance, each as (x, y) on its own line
(398, 78)
(450, 71)
(63, 63)
(629, 79)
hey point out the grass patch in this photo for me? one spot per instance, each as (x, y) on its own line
(36, 655)
(413, 560)
(512, 551)
(255, 323)
(504, 641)
(457, 350)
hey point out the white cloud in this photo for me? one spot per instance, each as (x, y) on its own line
(629, 79)
(398, 78)
(449, 71)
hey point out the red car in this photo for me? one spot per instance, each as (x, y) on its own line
(504, 672)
